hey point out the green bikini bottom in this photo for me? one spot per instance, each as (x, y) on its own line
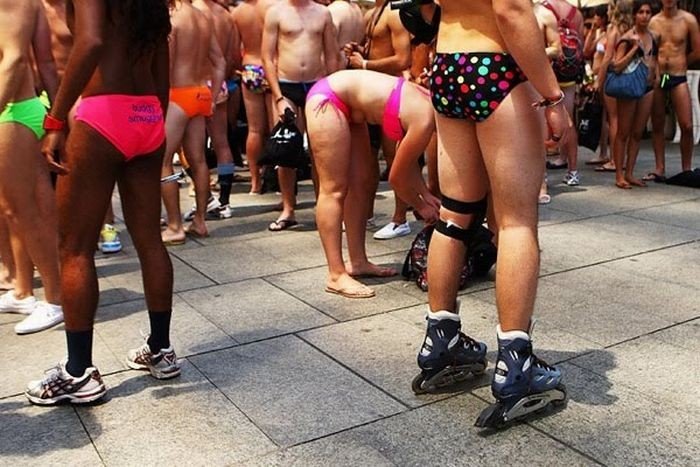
(29, 112)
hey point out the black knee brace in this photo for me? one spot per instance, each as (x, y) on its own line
(449, 229)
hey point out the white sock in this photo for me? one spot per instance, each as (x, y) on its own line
(510, 335)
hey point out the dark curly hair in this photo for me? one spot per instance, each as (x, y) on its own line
(148, 22)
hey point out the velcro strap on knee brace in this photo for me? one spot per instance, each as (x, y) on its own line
(448, 228)
(478, 208)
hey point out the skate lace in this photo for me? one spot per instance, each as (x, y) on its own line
(468, 341)
(541, 363)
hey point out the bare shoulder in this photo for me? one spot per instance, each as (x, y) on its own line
(339, 8)
(689, 18)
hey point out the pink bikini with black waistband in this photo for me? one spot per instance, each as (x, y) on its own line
(391, 124)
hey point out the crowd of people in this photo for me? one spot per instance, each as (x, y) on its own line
(108, 92)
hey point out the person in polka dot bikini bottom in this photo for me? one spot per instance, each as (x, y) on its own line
(489, 82)
(472, 84)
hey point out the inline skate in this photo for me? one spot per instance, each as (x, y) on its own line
(522, 383)
(447, 356)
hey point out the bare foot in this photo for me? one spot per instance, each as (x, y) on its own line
(172, 237)
(197, 231)
(369, 270)
(635, 181)
(623, 184)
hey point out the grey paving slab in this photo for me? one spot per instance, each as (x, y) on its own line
(677, 265)
(302, 249)
(685, 336)
(572, 245)
(620, 426)
(234, 262)
(438, 434)
(309, 286)
(681, 214)
(605, 305)
(26, 357)
(120, 278)
(253, 310)
(32, 435)
(479, 320)
(662, 371)
(121, 326)
(177, 422)
(293, 392)
(380, 348)
(549, 215)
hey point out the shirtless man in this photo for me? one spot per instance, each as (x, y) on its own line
(194, 56)
(387, 49)
(676, 29)
(298, 48)
(547, 23)
(217, 126)
(61, 38)
(249, 17)
(27, 201)
(348, 21)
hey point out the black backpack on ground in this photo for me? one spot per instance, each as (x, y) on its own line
(481, 255)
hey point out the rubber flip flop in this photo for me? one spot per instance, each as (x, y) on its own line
(282, 224)
(383, 272)
(654, 177)
(602, 168)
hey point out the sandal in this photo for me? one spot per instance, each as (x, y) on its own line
(654, 177)
(281, 224)
(544, 199)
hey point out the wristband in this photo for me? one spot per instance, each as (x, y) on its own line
(364, 64)
(51, 123)
(549, 102)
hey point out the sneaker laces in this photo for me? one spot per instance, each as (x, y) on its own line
(473, 344)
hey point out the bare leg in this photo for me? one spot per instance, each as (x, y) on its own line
(87, 189)
(400, 207)
(330, 139)
(360, 191)
(139, 186)
(658, 125)
(175, 124)
(680, 97)
(514, 166)
(257, 131)
(611, 112)
(7, 266)
(217, 126)
(624, 129)
(641, 115)
(462, 177)
(569, 144)
(193, 144)
(23, 175)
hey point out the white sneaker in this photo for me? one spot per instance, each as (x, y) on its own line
(392, 230)
(213, 206)
(572, 178)
(11, 304)
(222, 212)
(44, 316)
(58, 385)
(162, 365)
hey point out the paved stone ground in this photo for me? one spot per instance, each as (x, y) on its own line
(277, 372)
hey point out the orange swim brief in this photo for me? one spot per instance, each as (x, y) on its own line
(193, 100)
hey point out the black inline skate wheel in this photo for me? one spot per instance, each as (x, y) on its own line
(417, 384)
(492, 417)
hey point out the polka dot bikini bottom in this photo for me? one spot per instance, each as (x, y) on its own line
(472, 84)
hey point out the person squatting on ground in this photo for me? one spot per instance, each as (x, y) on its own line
(338, 109)
(119, 62)
(677, 31)
(298, 48)
(27, 203)
(633, 114)
(497, 84)
(195, 56)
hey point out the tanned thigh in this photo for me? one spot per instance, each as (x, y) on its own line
(680, 97)
(19, 161)
(512, 147)
(256, 111)
(85, 192)
(329, 136)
